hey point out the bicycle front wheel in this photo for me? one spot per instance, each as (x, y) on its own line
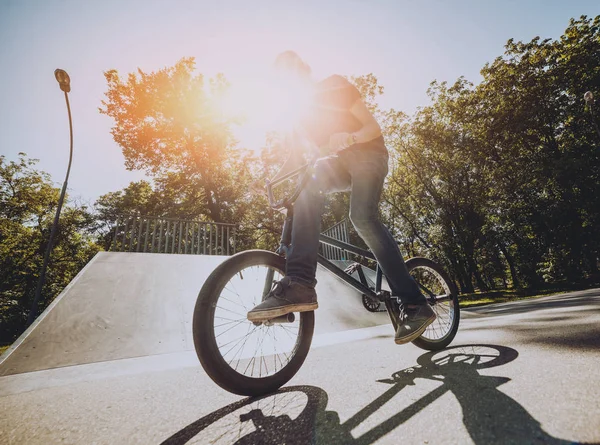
(242, 357)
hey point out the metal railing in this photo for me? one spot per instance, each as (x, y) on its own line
(339, 232)
(168, 235)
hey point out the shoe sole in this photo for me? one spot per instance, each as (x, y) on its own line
(278, 312)
(416, 334)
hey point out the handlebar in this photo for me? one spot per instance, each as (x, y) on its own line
(304, 171)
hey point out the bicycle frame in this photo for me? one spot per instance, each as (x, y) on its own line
(286, 237)
(360, 286)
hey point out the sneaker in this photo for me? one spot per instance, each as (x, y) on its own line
(285, 297)
(413, 321)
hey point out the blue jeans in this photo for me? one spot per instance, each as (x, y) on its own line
(360, 169)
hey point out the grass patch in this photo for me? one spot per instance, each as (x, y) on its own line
(4, 348)
(508, 295)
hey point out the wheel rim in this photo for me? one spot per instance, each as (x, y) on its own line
(254, 351)
(445, 311)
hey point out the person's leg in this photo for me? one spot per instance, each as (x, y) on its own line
(329, 176)
(295, 292)
(368, 170)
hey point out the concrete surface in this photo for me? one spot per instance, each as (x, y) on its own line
(522, 373)
(127, 305)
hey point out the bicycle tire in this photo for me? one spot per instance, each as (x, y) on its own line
(423, 342)
(205, 342)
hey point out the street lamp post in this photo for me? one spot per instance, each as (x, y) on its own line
(589, 100)
(65, 85)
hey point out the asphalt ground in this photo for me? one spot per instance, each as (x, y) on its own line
(523, 372)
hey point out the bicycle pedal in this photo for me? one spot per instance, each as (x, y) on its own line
(288, 318)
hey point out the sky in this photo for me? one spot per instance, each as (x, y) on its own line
(405, 43)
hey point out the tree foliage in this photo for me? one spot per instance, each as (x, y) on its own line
(500, 180)
(28, 202)
(168, 124)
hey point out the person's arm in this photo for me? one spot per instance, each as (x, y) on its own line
(370, 128)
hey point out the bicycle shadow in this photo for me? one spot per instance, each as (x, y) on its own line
(299, 415)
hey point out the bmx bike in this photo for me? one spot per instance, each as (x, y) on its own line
(254, 359)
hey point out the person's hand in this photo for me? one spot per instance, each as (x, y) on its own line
(340, 141)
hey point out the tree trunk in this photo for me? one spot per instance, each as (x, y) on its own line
(467, 286)
(457, 272)
(213, 206)
(474, 270)
(511, 265)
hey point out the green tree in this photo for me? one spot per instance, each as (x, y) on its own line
(500, 180)
(168, 124)
(28, 201)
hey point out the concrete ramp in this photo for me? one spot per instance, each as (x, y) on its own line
(121, 305)
(127, 305)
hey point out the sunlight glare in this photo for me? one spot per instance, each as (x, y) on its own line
(266, 105)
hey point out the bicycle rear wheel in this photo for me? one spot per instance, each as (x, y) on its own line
(443, 298)
(240, 356)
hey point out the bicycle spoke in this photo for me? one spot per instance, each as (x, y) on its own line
(275, 356)
(286, 330)
(238, 351)
(443, 308)
(229, 329)
(241, 350)
(230, 319)
(248, 365)
(227, 299)
(229, 322)
(266, 367)
(285, 355)
(239, 338)
(239, 297)
(261, 353)
(228, 310)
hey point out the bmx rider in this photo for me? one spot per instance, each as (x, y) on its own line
(356, 160)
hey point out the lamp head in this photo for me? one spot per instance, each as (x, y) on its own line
(63, 80)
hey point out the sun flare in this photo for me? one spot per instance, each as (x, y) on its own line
(266, 106)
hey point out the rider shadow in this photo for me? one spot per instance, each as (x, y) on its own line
(489, 415)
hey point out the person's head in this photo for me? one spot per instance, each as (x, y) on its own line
(289, 64)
